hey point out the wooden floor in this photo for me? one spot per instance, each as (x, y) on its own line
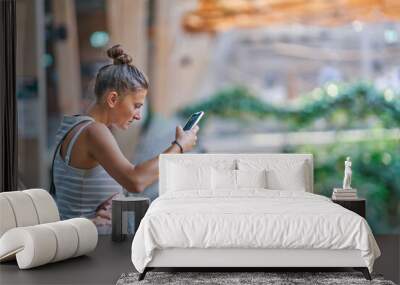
(111, 259)
(103, 266)
(389, 262)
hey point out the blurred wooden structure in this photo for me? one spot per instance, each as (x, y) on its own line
(126, 22)
(31, 95)
(67, 58)
(179, 60)
(218, 15)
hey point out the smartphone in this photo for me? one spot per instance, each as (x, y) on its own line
(193, 120)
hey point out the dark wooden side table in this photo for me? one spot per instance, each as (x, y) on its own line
(356, 205)
(122, 209)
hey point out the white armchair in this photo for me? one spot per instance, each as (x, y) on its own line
(31, 230)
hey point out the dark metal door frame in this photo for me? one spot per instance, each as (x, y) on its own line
(8, 98)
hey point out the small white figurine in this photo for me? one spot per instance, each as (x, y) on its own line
(347, 174)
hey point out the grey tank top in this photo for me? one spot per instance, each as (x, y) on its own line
(79, 192)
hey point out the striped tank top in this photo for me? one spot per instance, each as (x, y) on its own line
(79, 192)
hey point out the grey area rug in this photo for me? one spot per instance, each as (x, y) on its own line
(225, 278)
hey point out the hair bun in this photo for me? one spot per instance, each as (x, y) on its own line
(118, 55)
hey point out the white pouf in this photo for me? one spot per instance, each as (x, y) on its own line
(7, 218)
(31, 232)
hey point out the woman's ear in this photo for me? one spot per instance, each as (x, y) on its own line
(111, 99)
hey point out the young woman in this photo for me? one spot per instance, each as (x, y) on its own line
(89, 168)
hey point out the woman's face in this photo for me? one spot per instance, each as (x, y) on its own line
(128, 108)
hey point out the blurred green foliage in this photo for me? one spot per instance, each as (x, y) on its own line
(376, 176)
(376, 161)
(340, 105)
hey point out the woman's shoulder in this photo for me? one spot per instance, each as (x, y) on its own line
(98, 132)
(100, 141)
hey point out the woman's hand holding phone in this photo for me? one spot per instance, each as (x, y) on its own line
(187, 139)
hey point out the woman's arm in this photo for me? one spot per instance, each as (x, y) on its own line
(148, 171)
(134, 178)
